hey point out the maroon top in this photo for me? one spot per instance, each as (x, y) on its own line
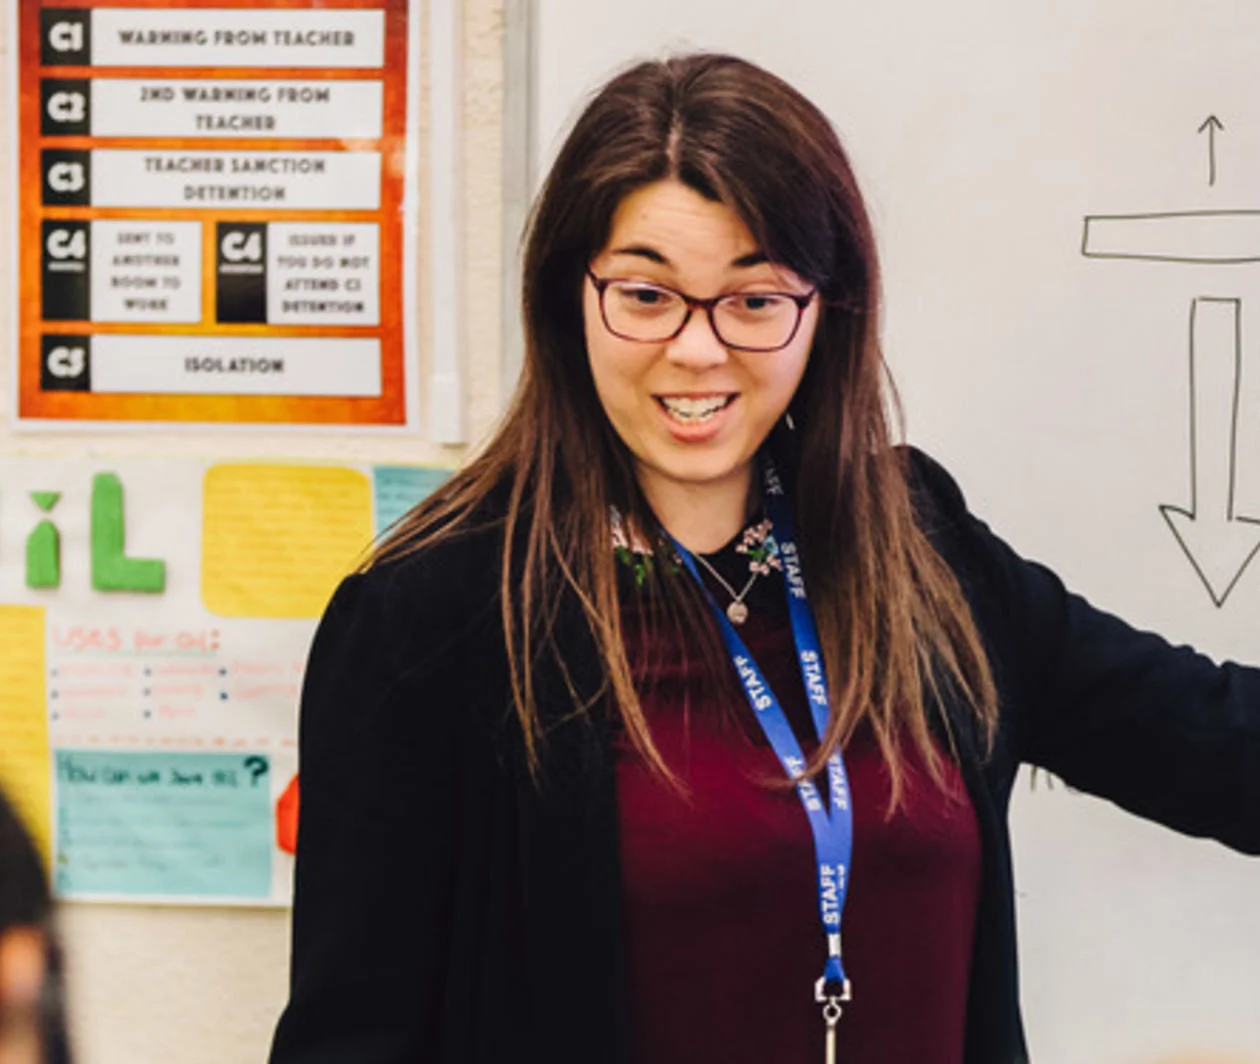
(721, 908)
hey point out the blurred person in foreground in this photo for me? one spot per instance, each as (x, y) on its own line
(32, 1029)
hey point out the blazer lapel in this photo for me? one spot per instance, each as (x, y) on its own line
(570, 866)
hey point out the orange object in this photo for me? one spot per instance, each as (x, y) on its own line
(374, 395)
(287, 818)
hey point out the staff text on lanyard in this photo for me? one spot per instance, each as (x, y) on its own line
(832, 826)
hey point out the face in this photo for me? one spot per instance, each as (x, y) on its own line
(691, 410)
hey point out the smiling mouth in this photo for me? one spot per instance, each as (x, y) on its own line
(694, 411)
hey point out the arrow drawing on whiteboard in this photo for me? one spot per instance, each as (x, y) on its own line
(1212, 125)
(1218, 541)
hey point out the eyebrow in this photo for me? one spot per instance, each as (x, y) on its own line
(753, 258)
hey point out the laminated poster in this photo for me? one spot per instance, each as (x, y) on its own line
(155, 618)
(216, 211)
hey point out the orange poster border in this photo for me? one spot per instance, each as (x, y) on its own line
(72, 409)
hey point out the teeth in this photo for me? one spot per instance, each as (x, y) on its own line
(686, 409)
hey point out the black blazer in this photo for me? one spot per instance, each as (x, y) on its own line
(449, 910)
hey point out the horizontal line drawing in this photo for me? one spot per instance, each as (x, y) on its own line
(1223, 237)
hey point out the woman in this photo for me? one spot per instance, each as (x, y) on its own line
(548, 731)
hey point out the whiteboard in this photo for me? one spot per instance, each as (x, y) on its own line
(997, 144)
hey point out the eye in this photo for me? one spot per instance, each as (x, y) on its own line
(645, 295)
(641, 298)
(757, 304)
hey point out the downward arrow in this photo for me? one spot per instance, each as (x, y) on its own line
(1219, 543)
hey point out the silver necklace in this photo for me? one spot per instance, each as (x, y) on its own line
(737, 611)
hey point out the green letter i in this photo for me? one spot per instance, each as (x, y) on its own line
(43, 547)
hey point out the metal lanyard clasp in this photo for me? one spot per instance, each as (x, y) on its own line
(831, 996)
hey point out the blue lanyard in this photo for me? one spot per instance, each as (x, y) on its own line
(832, 830)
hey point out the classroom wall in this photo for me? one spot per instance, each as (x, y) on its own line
(204, 986)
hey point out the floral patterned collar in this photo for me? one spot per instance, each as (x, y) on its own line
(757, 542)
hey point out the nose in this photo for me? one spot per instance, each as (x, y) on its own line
(697, 347)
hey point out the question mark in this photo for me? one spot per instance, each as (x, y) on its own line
(257, 767)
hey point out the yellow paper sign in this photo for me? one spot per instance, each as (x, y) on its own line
(276, 539)
(25, 761)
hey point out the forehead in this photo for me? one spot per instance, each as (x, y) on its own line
(683, 226)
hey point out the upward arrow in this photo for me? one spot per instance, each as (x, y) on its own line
(1219, 543)
(1211, 124)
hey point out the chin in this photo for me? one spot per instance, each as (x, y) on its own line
(701, 469)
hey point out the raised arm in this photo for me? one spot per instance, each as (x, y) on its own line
(1160, 730)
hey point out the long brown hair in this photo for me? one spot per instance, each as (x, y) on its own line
(895, 628)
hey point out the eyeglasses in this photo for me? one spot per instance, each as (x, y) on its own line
(745, 321)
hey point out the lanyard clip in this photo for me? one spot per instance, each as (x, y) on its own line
(829, 993)
(832, 990)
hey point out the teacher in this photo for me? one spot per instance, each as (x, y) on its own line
(681, 723)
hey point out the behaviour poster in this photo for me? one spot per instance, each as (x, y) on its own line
(155, 618)
(216, 211)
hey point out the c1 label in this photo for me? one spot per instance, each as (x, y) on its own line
(65, 37)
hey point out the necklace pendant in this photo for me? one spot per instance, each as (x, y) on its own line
(737, 613)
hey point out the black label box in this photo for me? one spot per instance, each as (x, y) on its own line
(65, 363)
